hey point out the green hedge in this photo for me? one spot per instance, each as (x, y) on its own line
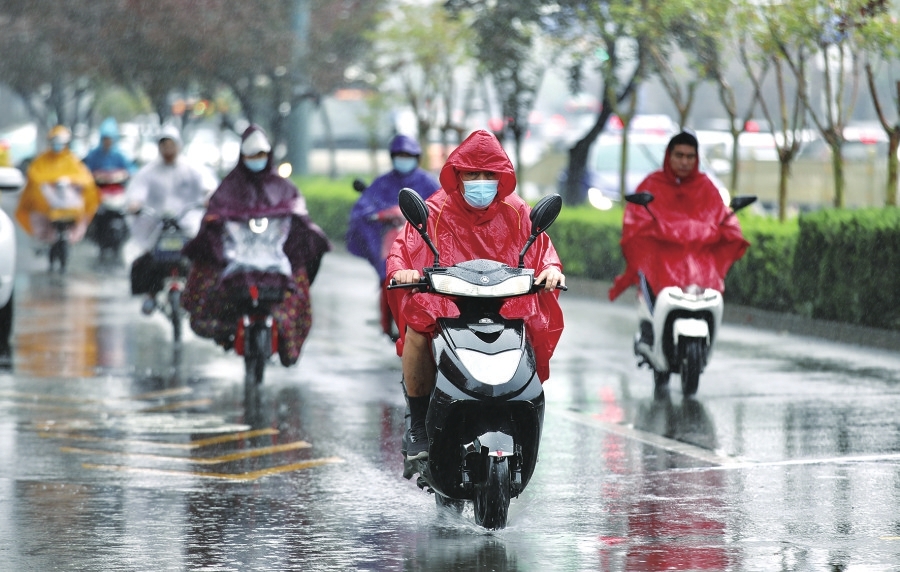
(329, 202)
(587, 241)
(847, 266)
(762, 278)
(840, 265)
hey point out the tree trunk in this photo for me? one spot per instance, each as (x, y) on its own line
(332, 150)
(891, 189)
(837, 167)
(578, 154)
(783, 177)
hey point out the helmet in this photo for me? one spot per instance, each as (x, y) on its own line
(109, 128)
(405, 144)
(170, 132)
(60, 133)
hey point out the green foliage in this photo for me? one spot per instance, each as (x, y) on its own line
(763, 278)
(329, 202)
(847, 266)
(587, 241)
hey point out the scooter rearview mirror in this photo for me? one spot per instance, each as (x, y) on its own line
(358, 185)
(413, 208)
(642, 199)
(11, 179)
(742, 201)
(416, 213)
(545, 212)
(542, 216)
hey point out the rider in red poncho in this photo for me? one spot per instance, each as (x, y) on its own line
(694, 238)
(475, 214)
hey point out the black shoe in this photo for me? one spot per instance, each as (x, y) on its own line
(5, 357)
(417, 443)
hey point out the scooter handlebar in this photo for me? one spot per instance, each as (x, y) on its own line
(392, 285)
(540, 286)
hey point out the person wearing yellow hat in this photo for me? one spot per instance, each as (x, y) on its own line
(58, 185)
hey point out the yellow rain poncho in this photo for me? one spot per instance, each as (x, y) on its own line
(36, 209)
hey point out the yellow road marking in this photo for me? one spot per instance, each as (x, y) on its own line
(234, 437)
(162, 393)
(176, 406)
(236, 456)
(248, 476)
(196, 444)
(889, 537)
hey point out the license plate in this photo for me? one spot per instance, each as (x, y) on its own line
(170, 244)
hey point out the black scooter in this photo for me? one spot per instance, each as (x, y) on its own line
(487, 409)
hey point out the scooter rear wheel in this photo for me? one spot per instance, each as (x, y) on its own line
(492, 495)
(691, 365)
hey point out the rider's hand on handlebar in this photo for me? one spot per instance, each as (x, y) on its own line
(551, 277)
(406, 276)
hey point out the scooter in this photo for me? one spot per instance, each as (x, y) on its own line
(678, 324)
(486, 411)
(168, 268)
(109, 227)
(392, 222)
(66, 205)
(257, 277)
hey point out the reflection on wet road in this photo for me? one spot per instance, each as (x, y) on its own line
(125, 452)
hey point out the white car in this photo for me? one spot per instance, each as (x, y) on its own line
(11, 179)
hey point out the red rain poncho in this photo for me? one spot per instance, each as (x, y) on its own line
(688, 243)
(461, 232)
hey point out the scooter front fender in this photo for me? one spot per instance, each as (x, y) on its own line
(690, 328)
(492, 444)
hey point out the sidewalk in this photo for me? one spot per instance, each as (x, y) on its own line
(763, 319)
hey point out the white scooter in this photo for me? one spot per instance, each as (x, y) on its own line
(678, 325)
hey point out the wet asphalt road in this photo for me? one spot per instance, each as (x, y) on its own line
(123, 452)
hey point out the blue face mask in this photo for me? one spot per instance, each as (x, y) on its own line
(405, 164)
(57, 146)
(256, 165)
(479, 194)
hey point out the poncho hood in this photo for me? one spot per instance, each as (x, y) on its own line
(481, 151)
(244, 194)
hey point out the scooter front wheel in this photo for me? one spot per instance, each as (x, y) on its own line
(691, 365)
(661, 378)
(176, 311)
(446, 502)
(256, 353)
(492, 495)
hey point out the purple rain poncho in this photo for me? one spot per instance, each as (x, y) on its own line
(242, 195)
(364, 235)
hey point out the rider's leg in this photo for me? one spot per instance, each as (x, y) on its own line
(418, 374)
(418, 365)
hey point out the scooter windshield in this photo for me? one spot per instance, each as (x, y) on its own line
(256, 245)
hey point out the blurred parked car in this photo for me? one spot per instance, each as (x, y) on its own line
(600, 186)
(11, 179)
(862, 142)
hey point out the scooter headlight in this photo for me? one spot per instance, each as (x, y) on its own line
(454, 286)
(494, 369)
